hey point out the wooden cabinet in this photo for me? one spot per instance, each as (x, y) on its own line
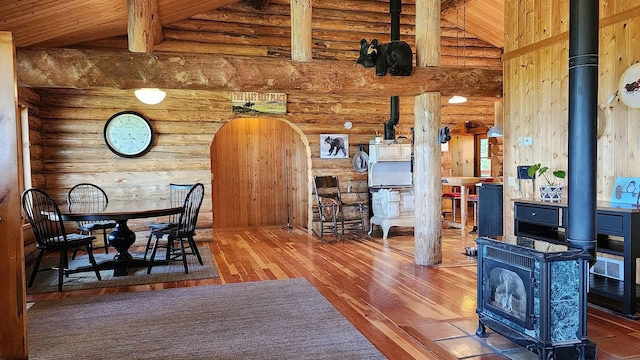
(618, 234)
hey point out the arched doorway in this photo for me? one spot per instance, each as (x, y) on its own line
(260, 174)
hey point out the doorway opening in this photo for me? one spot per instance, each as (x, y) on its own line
(260, 171)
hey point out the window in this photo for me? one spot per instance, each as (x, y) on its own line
(26, 148)
(485, 159)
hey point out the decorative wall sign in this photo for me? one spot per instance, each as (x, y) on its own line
(253, 102)
(629, 86)
(334, 146)
(626, 191)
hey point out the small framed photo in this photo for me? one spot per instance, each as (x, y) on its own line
(626, 190)
(334, 146)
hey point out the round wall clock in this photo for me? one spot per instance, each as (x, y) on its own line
(128, 134)
(629, 86)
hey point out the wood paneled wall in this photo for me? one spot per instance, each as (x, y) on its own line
(536, 91)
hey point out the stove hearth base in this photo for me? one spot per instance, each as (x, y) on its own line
(584, 350)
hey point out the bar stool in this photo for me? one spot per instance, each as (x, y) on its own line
(453, 196)
(474, 199)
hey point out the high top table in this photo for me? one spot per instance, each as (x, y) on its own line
(463, 182)
(121, 237)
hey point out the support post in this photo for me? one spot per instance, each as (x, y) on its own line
(427, 156)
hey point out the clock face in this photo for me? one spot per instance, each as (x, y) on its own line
(128, 134)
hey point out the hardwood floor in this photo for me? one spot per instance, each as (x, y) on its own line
(407, 311)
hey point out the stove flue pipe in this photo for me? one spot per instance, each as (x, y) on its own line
(395, 8)
(583, 112)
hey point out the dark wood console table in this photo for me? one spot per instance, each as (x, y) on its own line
(618, 233)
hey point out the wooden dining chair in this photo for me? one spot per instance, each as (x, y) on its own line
(182, 233)
(87, 196)
(44, 216)
(177, 194)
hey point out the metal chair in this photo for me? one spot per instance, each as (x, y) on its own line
(177, 194)
(45, 219)
(86, 196)
(332, 211)
(184, 231)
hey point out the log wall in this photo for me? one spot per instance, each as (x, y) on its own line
(71, 120)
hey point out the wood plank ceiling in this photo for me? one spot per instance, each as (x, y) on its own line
(472, 31)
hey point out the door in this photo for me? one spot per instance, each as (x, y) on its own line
(259, 174)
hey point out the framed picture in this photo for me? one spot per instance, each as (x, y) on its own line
(253, 102)
(626, 191)
(334, 146)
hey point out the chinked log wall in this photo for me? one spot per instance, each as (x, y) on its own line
(71, 148)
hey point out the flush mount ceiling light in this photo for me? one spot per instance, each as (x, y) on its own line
(150, 96)
(457, 99)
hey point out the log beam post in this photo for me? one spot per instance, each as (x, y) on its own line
(92, 69)
(13, 327)
(427, 161)
(143, 28)
(301, 30)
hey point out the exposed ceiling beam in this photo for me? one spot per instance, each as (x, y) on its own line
(51, 23)
(144, 29)
(86, 69)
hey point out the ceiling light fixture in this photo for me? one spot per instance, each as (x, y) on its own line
(496, 131)
(457, 99)
(150, 96)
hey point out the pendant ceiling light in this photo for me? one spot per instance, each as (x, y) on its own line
(458, 99)
(150, 96)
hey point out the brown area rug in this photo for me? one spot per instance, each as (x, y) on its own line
(277, 319)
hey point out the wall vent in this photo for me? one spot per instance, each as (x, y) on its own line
(608, 267)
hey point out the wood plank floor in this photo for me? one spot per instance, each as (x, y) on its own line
(407, 311)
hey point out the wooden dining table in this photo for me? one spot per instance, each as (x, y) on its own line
(463, 182)
(121, 237)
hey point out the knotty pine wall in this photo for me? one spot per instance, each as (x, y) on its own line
(536, 91)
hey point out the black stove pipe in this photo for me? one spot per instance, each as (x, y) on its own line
(583, 108)
(395, 8)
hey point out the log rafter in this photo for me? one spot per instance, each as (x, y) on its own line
(86, 69)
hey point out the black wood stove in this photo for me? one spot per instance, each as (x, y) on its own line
(534, 293)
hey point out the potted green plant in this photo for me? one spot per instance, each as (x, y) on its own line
(550, 191)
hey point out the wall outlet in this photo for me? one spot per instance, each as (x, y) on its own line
(512, 181)
(527, 141)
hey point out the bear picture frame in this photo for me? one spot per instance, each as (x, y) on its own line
(334, 146)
